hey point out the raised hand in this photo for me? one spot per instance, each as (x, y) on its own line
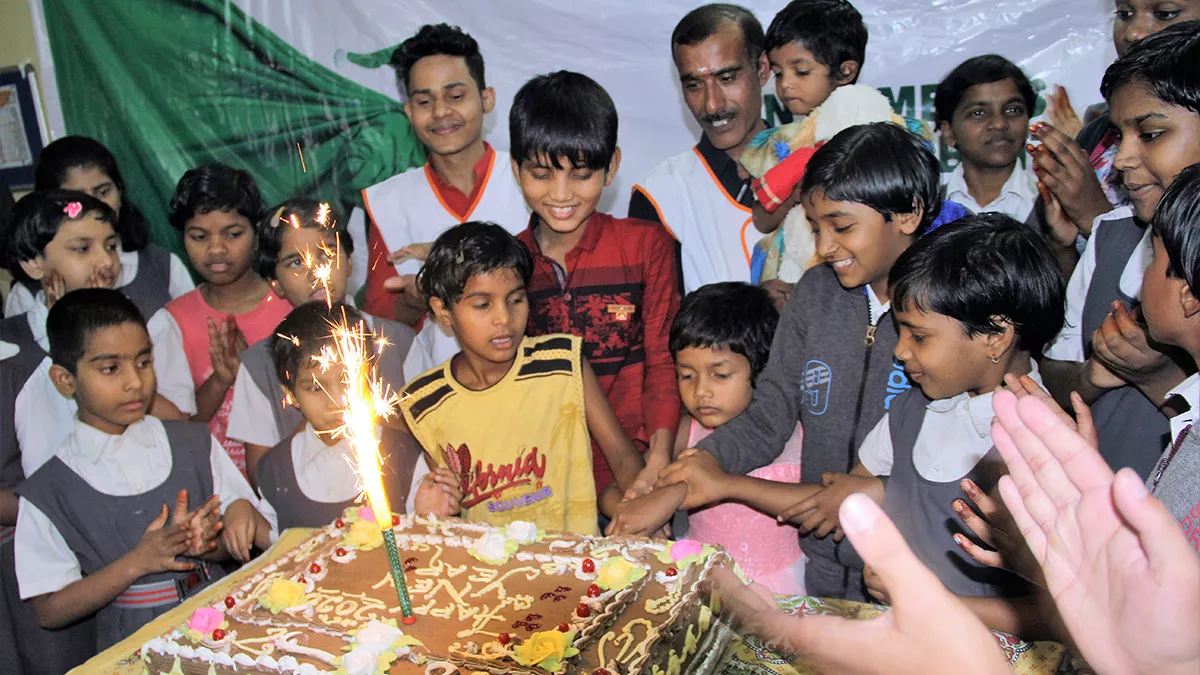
(1067, 171)
(1060, 230)
(1122, 574)
(203, 524)
(1123, 345)
(439, 494)
(410, 252)
(54, 286)
(913, 637)
(1025, 385)
(225, 345)
(996, 529)
(1061, 113)
(160, 545)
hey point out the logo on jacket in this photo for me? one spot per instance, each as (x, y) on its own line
(818, 378)
(897, 384)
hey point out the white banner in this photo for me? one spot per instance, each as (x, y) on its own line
(625, 45)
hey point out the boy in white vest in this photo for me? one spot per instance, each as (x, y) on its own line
(440, 73)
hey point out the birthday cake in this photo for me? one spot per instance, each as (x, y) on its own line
(483, 599)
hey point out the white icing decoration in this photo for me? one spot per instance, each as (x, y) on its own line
(524, 556)
(308, 669)
(204, 653)
(585, 576)
(288, 644)
(267, 662)
(521, 531)
(243, 660)
(377, 635)
(171, 649)
(343, 559)
(491, 546)
(662, 578)
(223, 660)
(361, 661)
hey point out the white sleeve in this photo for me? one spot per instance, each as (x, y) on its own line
(181, 280)
(417, 361)
(228, 482)
(44, 562)
(1068, 344)
(252, 413)
(170, 362)
(268, 512)
(419, 473)
(875, 453)
(19, 300)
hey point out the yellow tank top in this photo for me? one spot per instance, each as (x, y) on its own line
(521, 447)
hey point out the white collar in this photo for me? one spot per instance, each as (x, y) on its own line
(92, 444)
(37, 316)
(8, 349)
(979, 408)
(1189, 390)
(878, 309)
(1020, 183)
(310, 447)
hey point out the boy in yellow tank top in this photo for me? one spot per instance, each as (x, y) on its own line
(511, 415)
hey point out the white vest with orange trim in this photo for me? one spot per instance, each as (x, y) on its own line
(716, 233)
(407, 209)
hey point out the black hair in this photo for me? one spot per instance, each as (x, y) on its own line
(563, 114)
(36, 218)
(707, 20)
(1165, 63)
(295, 212)
(81, 152)
(727, 315)
(306, 331)
(468, 250)
(1177, 222)
(215, 187)
(79, 314)
(832, 30)
(984, 69)
(880, 165)
(980, 268)
(438, 40)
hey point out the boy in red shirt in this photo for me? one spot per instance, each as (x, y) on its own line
(611, 281)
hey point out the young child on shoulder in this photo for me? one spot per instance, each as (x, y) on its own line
(95, 534)
(526, 408)
(199, 336)
(150, 275)
(611, 281)
(304, 252)
(831, 365)
(720, 340)
(1104, 351)
(975, 301)
(308, 479)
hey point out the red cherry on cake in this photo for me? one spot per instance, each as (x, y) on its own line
(503, 638)
(395, 521)
(671, 571)
(218, 634)
(339, 552)
(230, 602)
(593, 591)
(302, 580)
(314, 568)
(601, 671)
(589, 565)
(563, 628)
(583, 611)
(339, 523)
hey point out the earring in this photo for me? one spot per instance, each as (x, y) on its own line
(994, 358)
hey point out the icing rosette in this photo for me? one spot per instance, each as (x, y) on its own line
(348, 556)
(375, 647)
(492, 548)
(283, 594)
(364, 535)
(685, 552)
(523, 532)
(618, 573)
(546, 650)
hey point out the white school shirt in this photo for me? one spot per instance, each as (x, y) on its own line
(252, 408)
(955, 435)
(129, 464)
(1189, 390)
(326, 473)
(1016, 198)
(42, 416)
(20, 300)
(1068, 344)
(170, 362)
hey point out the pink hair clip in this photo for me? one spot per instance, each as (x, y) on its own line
(73, 209)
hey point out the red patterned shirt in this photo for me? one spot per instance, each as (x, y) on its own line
(619, 292)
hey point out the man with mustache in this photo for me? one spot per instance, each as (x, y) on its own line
(703, 196)
(983, 108)
(441, 76)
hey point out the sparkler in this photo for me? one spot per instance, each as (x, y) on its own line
(366, 400)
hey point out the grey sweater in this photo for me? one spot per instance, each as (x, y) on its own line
(822, 373)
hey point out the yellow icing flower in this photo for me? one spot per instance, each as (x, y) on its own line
(363, 535)
(283, 594)
(547, 650)
(618, 573)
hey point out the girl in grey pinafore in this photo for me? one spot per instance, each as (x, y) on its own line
(101, 528)
(149, 290)
(923, 509)
(277, 481)
(25, 647)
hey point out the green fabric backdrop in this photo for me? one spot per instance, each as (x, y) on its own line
(171, 84)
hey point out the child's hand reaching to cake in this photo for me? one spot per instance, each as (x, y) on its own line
(706, 481)
(245, 528)
(819, 513)
(646, 515)
(439, 494)
(204, 524)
